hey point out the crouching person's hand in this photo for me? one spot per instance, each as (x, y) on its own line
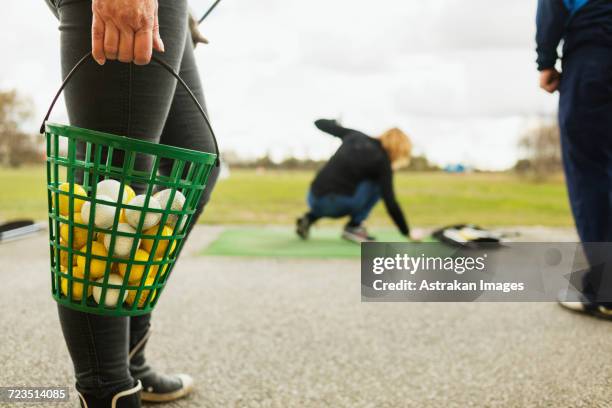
(416, 235)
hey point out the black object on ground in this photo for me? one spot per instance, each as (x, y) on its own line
(467, 235)
(18, 229)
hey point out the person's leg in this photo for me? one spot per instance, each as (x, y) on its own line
(185, 127)
(365, 198)
(358, 206)
(127, 100)
(330, 206)
(99, 351)
(119, 98)
(303, 223)
(156, 387)
(362, 201)
(586, 140)
(314, 208)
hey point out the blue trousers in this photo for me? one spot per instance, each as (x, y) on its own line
(358, 206)
(585, 121)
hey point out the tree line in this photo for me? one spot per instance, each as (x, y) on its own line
(539, 146)
(17, 147)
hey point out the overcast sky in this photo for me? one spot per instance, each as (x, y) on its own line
(457, 75)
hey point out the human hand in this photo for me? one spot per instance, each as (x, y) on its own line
(416, 235)
(196, 35)
(127, 30)
(550, 79)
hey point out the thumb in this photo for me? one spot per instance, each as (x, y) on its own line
(158, 44)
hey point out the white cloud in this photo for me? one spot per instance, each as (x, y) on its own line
(458, 75)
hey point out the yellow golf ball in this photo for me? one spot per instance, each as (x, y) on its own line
(131, 294)
(65, 256)
(96, 266)
(128, 194)
(77, 287)
(147, 244)
(64, 200)
(79, 234)
(137, 270)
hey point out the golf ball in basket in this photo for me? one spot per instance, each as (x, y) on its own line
(123, 245)
(105, 214)
(64, 200)
(151, 218)
(112, 294)
(177, 205)
(111, 188)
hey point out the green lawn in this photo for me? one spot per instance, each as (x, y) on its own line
(271, 197)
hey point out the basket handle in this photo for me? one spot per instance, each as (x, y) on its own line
(161, 62)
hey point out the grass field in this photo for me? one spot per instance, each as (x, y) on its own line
(271, 197)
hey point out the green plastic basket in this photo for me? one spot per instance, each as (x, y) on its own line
(77, 272)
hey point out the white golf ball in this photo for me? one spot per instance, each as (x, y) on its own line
(109, 188)
(123, 244)
(178, 202)
(151, 219)
(105, 214)
(112, 294)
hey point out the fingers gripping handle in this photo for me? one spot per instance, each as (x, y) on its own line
(161, 62)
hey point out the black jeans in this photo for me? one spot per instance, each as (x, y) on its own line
(142, 102)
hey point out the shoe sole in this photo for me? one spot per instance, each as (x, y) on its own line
(579, 307)
(185, 390)
(354, 238)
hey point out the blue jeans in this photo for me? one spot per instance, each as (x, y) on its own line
(358, 206)
(585, 121)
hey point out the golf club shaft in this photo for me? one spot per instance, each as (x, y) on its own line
(209, 11)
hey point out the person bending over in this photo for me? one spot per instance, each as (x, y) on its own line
(354, 180)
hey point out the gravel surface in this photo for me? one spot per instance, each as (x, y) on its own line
(288, 333)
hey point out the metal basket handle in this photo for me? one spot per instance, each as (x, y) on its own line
(161, 62)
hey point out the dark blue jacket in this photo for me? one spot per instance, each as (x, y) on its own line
(577, 22)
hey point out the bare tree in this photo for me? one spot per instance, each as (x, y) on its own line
(16, 146)
(543, 152)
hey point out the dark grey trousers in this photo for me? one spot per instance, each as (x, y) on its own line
(142, 102)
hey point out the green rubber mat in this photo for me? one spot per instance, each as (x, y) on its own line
(281, 242)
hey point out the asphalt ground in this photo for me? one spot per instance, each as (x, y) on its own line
(294, 333)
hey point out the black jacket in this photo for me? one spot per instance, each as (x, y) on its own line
(358, 158)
